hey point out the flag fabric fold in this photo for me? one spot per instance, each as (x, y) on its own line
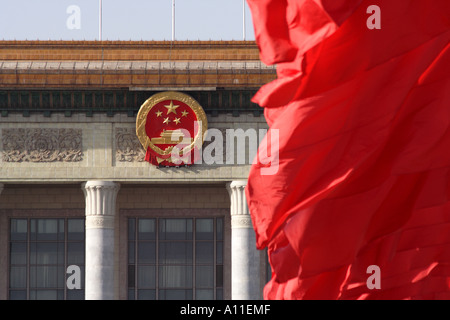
(363, 119)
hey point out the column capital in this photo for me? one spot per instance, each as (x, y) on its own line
(100, 203)
(240, 216)
(100, 185)
(238, 184)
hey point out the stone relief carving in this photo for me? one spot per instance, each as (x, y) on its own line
(128, 147)
(241, 222)
(99, 222)
(42, 145)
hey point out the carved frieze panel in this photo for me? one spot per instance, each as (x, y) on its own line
(42, 145)
(128, 147)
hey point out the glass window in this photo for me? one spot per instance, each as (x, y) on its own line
(146, 229)
(40, 252)
(175, 258)
(204, 229)
(175, 229)
(19, 229)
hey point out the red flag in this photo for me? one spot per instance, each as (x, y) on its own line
(360, 205)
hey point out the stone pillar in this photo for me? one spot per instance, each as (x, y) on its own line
(1, 188)
(245, 260)
(100, 211)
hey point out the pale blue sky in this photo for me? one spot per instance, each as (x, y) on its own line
(125, 20)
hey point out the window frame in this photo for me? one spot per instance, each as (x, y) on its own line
(29, 215)
(125, 213)
(193, 263)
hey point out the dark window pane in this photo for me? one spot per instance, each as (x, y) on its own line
(33, 252)
(204, 252)
(18, 277)
(75, 229)
(61, 277)
(61, 253)
(82, 276)
(204, 294)
(131, 229)
(131, 276)
(18, 229)
(61, 229)
(17, 295)
(18, 253)
(146, 295)
(146, 277)
(46, 253)
(204, 229)
(175, 252)
(131, 294)
(175, 276)
(75, 253)
(175, 294)
(175, 229)
(46, 229)
(146, 252)
(44, 277)
(219, 294)
(219, 252)
(146, 229)
(33, 233)
(75, 294)
(219, 229)
(43, 294)
(204, 276)
(219, 276)
(131, 252)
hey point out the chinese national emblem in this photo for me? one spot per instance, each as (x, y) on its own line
(171, 128)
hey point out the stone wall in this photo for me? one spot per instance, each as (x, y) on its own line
(79, 148)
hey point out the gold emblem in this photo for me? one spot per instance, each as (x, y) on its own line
(171, 123)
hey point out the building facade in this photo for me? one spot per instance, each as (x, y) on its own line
(83, 215)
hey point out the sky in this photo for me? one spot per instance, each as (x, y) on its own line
(124, 20)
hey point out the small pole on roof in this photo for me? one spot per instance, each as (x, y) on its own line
(173, 20)
(100, 20)
(243, 20)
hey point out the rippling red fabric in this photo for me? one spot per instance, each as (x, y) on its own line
(363, 118)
